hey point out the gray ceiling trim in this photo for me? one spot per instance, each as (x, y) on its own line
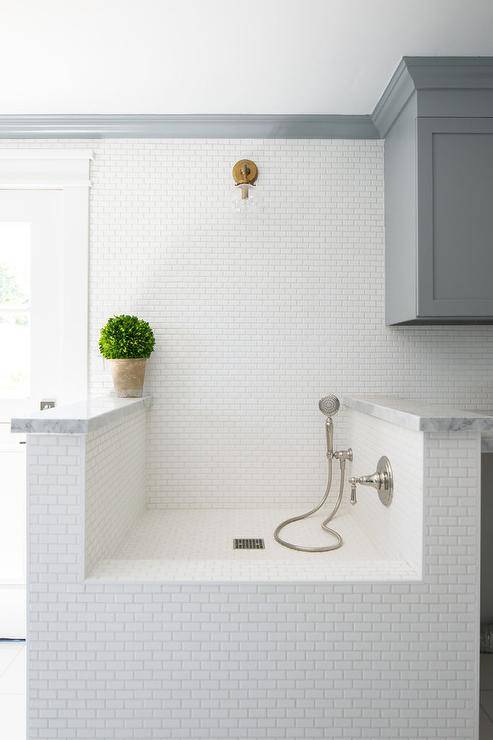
(393, 99)
(414, 74)
(188, 126)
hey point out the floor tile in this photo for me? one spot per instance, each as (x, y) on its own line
(197, 545)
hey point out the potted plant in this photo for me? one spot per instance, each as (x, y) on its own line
(127, 342)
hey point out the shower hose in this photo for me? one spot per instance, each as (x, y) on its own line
(338, 539)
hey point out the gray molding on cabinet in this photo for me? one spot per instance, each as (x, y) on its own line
(433, 79)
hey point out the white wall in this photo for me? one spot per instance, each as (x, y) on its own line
(345, 661)
(255, 319)
(397, 529)
(218, 56)
(114, 485)
(258, 315)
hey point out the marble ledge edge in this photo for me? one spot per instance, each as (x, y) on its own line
(421, 416)
(79, 418)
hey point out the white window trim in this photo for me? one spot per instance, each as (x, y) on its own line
(66, 170)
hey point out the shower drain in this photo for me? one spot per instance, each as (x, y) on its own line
(248, 543)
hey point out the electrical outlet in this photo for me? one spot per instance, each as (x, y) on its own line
(43, 405)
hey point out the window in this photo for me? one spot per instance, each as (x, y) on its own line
(15, 261)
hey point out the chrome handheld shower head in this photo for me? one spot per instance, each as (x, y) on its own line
(329, 405)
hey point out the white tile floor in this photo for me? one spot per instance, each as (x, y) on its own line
(197, 545)
(12, 693)
(12, 690)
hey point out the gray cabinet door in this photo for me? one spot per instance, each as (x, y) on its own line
(455, 217)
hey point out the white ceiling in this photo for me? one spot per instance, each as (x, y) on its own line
(222, 56)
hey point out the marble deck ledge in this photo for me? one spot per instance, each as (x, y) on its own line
(420, 416)
(79, 418)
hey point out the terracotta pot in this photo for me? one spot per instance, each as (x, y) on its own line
(128, 377)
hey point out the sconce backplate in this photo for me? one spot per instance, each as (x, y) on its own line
(245, 172)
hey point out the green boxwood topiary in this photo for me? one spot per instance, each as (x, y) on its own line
(126, 337)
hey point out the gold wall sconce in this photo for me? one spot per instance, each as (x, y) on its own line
(245, 173)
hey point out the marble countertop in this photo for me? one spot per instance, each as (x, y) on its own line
(421, 416)
(78, 418)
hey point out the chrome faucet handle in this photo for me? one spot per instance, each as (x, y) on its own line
(352, 497)
(382, 480)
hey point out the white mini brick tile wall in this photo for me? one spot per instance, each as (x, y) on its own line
(255, 320)
(344, 661)
(115, 484)
(398, 529)
(256, 317)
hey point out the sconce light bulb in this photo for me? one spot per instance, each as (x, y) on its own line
(245, 173)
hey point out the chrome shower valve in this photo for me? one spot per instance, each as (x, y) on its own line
(382, 480)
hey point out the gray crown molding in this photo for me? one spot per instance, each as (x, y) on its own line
(395, 96)
(430, 78)
(188, 126)
(450, 72)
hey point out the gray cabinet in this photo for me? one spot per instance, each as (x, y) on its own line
(439, 210)
(455, 218)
